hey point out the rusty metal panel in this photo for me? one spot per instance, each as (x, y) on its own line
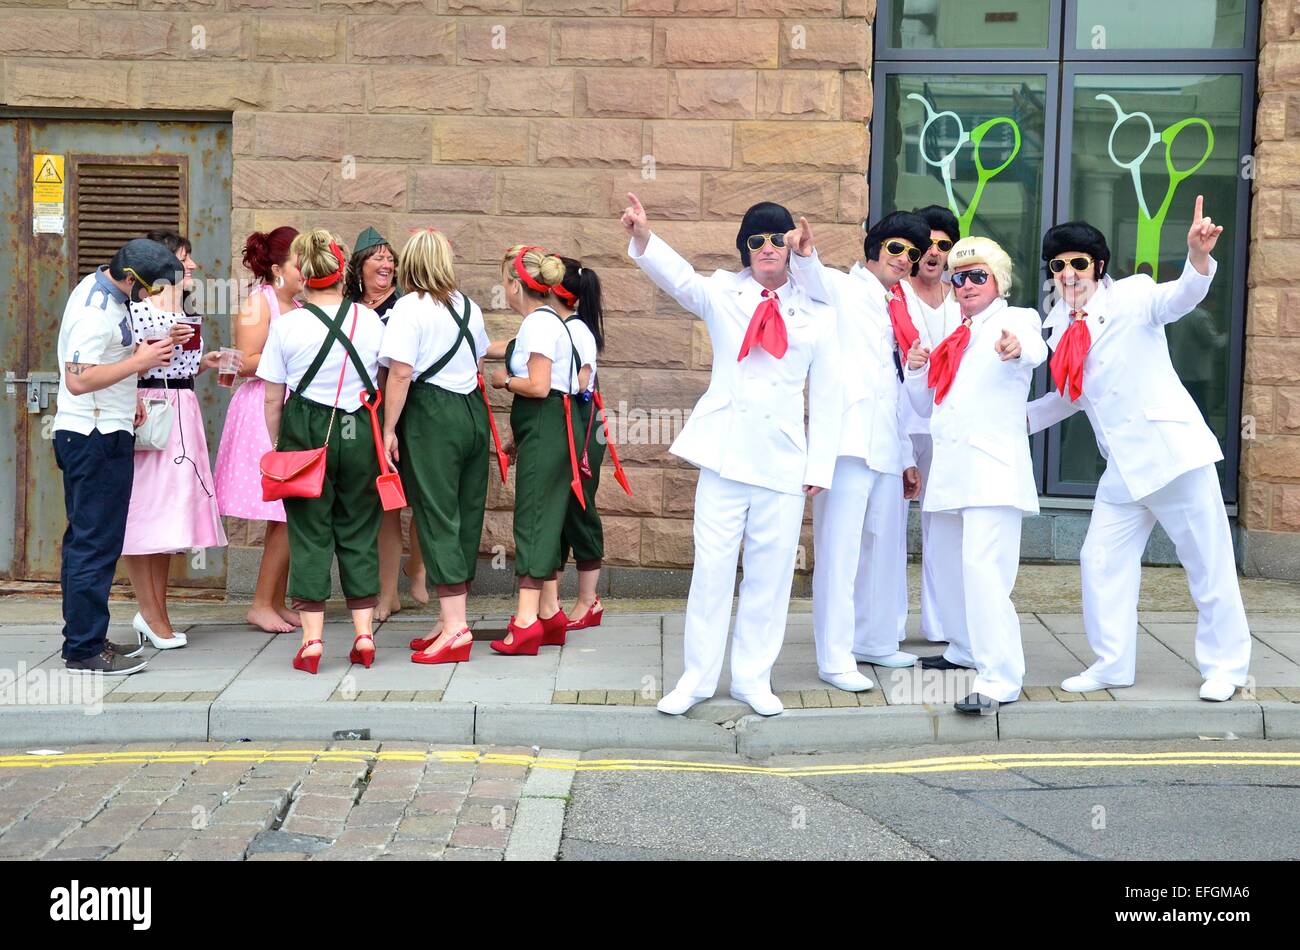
(54, 269)
(13, 332)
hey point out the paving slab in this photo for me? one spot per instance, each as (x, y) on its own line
(428, 722)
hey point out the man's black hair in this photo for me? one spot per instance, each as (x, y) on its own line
(766, 217)
(1076, 236)
(897, 224)
(940, 218)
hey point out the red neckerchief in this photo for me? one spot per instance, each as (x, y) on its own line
(766, 328)
(946, 359)
(1067, 362)
(904, 330)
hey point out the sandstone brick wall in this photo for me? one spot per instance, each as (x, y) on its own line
(501, 121)
(1270, 486)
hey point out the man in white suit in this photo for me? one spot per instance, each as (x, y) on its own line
(982, 480)
(931, 295)
(1111, 359)
(861, 555)
(746, 435)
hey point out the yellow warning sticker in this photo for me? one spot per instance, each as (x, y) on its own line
(47, 179)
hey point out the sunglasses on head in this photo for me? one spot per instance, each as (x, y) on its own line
(151, 288)
(756, 241)
(1057, 264)
(942, 244)
(898, 248)
(977, 277)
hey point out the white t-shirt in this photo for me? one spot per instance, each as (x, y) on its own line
(543, 332)
(297, 336)
(937, 319)
(585, 341)
(96, 331)
(185, 362)
(420, 331)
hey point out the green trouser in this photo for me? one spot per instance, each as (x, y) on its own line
(583, 535)
(542, 477)
(444, 462)
(344, 520)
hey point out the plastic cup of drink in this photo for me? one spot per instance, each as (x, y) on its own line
(228, 367)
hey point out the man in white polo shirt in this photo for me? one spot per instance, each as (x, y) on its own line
(94, 441)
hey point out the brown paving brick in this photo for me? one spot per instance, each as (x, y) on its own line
(593, 697)
(479, 836)
(620, 697)
(316, 827)
(428, 696)
(426, 828)
(1066, 697)
(1038, 694)
(872, 697)
(400, 696)
(472, 854)
(791, 699)
(436, 803)
(376, 814)
(322, 806)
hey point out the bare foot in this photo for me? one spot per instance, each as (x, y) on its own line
(385, 610)
(267, 619)
(289, 616)
(419, 588)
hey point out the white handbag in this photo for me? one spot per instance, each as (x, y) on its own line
(156, 431)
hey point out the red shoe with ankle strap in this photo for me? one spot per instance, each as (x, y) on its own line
(308, 664)
(450, 653)
(366, 657)
(553, 629)
(591, 618)
(526, 639)
(422, 643)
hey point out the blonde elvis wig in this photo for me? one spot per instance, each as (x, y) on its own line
(322, 258)
(535, 269)
(426, 266)
(982, 250)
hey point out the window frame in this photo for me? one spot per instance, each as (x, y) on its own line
(1049, 53)
(1247, 52)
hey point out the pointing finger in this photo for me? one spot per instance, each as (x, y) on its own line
(1200, 204)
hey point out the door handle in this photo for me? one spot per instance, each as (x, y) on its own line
(38, 388)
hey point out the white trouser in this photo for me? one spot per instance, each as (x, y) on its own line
(931, 627)
(1190, 509)
(980, 553)
(857, 567)
(768, 522)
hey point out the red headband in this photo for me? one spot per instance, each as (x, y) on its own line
(318, 282)
(565, 294)
(531, 282)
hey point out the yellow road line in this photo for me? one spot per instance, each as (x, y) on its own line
(940, 764)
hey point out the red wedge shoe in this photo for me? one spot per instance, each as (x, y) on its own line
(308, 664)
(364, 657)
(591, 618)
(422, 643)
(450, 652)
(527, 639)
(553, 629)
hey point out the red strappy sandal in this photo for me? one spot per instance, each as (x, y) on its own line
(450, 653)
(591, 618)
(308, 664)
(364, 658)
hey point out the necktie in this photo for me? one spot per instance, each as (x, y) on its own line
(1067, 361)
(766, 328)
(946, 358)
(904, 330)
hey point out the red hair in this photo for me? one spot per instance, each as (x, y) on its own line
(263, 250)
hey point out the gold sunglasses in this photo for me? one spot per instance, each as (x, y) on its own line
(898, 248)
(942, 244)
(152, 288)
(755, 241)
(1057, 264)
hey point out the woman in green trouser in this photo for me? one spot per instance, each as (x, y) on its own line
(327, 353)
(577, 300)
(438, 429)
(541, 372)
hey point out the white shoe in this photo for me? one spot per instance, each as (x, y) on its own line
(896, 660)
(853, 682)
(1085, 682)
(678, 701)
(1217, 691)
(765, 704)
(174, 642)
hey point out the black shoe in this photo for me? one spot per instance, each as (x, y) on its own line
(109, 663)
(977, 704)
(939, 662)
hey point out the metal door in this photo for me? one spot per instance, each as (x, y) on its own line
(39, 270)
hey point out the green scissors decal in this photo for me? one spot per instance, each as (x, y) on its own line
(1149, 226)
(945, 164)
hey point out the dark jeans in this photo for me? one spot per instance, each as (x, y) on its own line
(97, 473)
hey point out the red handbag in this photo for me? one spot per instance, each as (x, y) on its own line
(301, 474)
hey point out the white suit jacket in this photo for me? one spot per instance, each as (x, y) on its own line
(932, 333)
(981, 448)
(871, 427)
(749, 424)
(1147, 425)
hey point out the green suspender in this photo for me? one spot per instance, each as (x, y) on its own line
(462, 321)
(335, 332)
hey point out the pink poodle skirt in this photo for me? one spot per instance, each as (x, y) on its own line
(243, 443)
(173, 505)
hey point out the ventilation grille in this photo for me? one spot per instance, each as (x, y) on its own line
(117, 202)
